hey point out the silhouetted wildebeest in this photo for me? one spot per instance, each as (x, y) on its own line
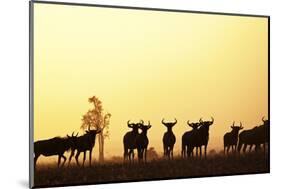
(73, 147)
(142, 141)
(85, 143)
(230, 139)
(129, 140)
(55, 146)
(256, 136)
(203, 136)
(169, 139)
(189, 139)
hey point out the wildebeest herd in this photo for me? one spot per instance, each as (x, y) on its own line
(196, 138)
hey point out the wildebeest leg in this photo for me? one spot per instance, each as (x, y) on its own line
(84, 158)
(200, 150)
(250, 147)
(64, 160)
(227, 149)
(205, 152)
(244, 148)
(70, 157)
(172, 151)
(59, 158)
(145, 150)
(232, 149)
(235, 148)
(196, 151)
(77, 156)
(90, 157)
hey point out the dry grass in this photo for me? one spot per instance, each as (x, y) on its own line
(216, 165)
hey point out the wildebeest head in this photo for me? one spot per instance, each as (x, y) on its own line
(72, 139)
(92, 132)
(144, 127)
(194, 125)
(134, 126)
(206, 123)
(236, 128)
(169, 124)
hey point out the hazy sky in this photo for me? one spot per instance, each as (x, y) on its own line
(147, 65)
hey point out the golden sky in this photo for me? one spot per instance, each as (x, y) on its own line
(147, 65)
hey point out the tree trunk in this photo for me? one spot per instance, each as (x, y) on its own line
(101, 146)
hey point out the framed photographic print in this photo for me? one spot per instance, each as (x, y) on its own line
(122, 94)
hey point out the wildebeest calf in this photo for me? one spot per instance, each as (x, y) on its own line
(230, 139)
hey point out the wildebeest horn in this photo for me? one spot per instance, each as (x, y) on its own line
(241, 125)
(129, 124)
(68, 136)
(141, 121)
(263, 119)
(163, 121)
(77, 134)
(233, 124)
(149, 123)
(188, 123)
(200, 120)
(212, 119)
(175, 121)
(72, 134)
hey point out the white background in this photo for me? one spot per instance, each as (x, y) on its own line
(14, 91)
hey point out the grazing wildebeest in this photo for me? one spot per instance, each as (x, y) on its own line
(189, 139)
(256, 136)
(169, 139)
(142, 142)
(230, 139)
(203, 135)
(129, 140)
(85, 143)
(55, 146)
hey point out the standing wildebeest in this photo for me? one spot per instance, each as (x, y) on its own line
(230, 139)
(189, 139)
(142, 141)
(256, 136)
(129, 140)
(203, 135)
(169, 138)
(55, 146)
(85, 143)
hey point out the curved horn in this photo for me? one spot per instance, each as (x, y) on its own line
(188, 123)
(68, 136)
(76, 134)
(149, 123)
(129, 124)
(212, 119)
(233, 124)
(263, 119)
(141, 121)
(163, 121)
(200, 120)
(175, 121)
(72, 134)
(241, 125)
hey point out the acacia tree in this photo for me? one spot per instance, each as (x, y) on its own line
(95, 118)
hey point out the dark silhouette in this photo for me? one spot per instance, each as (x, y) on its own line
(203, 136)
(230, 139)
(190, 139)
(142, 142)
(73, 147)
(85, 143)
(55, 146)
(169, 138)
(256, 136)
(129, 140)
